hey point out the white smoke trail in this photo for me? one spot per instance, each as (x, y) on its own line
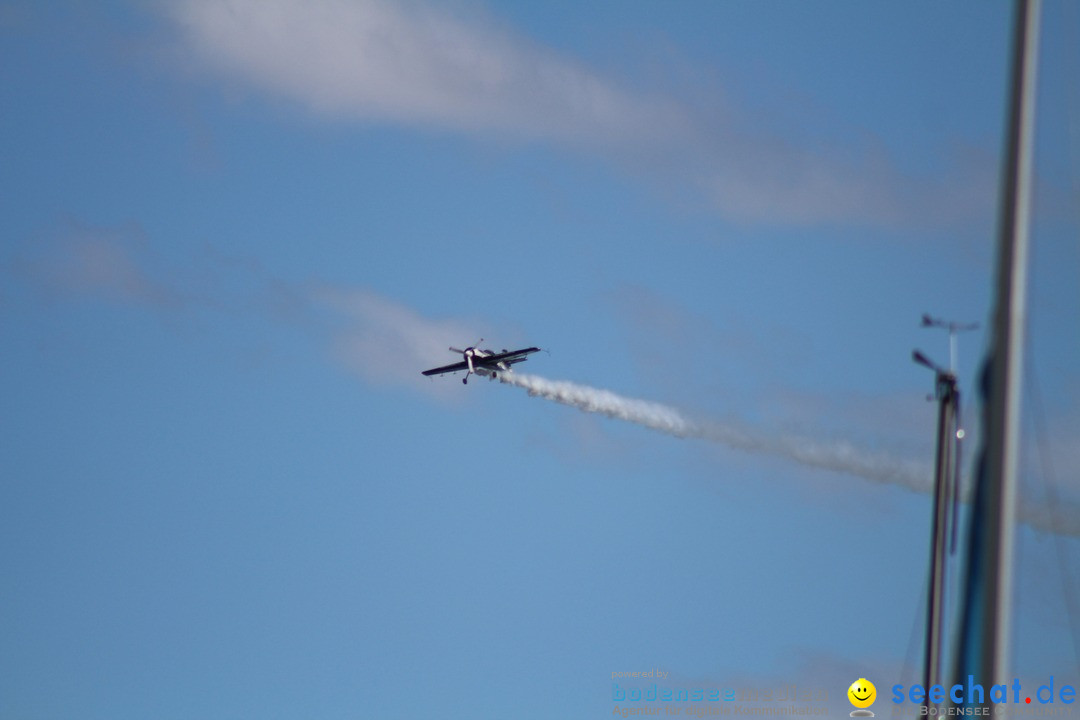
(840, 457)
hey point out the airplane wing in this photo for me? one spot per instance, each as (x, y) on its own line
(456, 367)
(509, 358)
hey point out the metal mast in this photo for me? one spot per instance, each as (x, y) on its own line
(945, 498)
(985, 626)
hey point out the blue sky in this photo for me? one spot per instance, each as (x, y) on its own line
(234, 233)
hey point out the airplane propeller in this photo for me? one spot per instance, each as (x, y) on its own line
(469, 352)
(468, 359)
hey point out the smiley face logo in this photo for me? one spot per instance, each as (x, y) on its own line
(862, 693)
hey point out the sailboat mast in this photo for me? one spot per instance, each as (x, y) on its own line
(988, 603)
(944, 497)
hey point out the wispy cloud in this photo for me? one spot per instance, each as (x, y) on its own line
(415, 64)
(385, 342)
(441, 68)
(381, 340)
(100, 261)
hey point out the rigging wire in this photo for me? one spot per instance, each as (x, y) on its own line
(1046, 473)
(910, 672)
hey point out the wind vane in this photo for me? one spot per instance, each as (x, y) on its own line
(953, 328)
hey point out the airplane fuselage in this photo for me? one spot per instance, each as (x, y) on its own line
(477, 361)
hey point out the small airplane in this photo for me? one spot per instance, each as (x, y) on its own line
(483, 362)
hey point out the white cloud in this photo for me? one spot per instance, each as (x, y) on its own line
(411, 63)
(439, 67)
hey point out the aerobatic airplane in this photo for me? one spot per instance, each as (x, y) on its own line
(483, 362)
